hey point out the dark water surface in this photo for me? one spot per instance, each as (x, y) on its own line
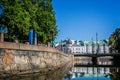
(72, 72)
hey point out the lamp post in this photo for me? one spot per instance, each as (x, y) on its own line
(51, 34)
(61, 46)
(97, 45)
(119, 42)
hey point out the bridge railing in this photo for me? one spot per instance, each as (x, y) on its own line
(98, 54)
(93, 53)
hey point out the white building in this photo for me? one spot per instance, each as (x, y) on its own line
(79, 47)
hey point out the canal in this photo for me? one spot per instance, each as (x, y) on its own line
(71, 71)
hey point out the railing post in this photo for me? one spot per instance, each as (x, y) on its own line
(1, 37)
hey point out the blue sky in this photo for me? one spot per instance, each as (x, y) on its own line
(81, 19)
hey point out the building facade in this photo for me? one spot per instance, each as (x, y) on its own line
(80, 47)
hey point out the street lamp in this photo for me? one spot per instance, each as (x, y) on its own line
(51, 34)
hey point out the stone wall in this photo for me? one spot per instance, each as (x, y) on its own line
(24, 57)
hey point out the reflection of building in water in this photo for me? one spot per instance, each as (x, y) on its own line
(90, 71)
(85, 46)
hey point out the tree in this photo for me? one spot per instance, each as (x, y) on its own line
(46, 21)
(114, 40)
(21, 15)
(16, 19)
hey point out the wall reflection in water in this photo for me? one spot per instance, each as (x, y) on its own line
(52, 75)
(71, 72)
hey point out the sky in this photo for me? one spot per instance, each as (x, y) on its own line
(82, 19)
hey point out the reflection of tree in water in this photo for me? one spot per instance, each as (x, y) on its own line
(115, 73)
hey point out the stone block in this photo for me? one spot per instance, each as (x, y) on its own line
(42, 65)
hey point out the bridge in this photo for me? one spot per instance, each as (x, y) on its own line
(116, 57)
(96, 54)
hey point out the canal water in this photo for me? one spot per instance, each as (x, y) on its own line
(72, 72)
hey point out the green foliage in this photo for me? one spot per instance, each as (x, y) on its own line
(114, 40)
(21, 15)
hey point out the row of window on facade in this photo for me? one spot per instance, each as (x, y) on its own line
(86, 49)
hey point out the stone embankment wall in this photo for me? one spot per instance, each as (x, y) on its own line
(16, 57)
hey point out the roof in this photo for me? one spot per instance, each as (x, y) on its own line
(83, 42)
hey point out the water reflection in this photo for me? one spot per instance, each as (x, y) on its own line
(51, 75)
(72, 72)
(90, 73)
(115, 73)
(93, 72)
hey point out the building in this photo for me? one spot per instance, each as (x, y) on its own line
(85, 46)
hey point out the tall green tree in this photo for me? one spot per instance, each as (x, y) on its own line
(16, 19)
(46, 20)
(21, 15)
(114, 40)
